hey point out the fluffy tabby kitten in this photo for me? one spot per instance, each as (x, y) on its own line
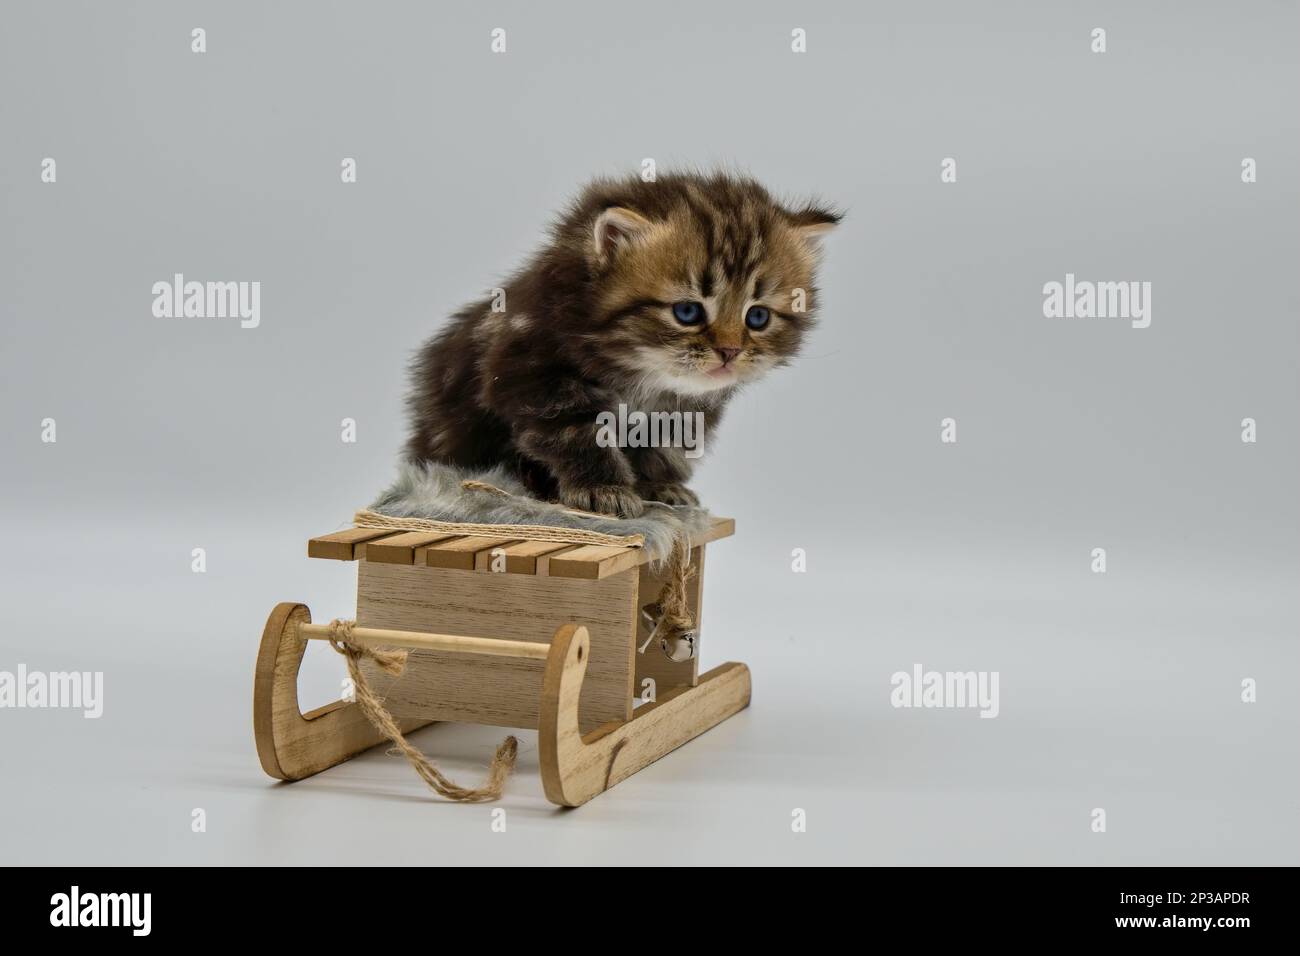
(663, 296)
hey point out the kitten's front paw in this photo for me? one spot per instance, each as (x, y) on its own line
(603, 499)
(669, 492)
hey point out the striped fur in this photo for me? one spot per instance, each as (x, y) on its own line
(589, 324)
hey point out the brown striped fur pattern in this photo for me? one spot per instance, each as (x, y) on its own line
(589, 324)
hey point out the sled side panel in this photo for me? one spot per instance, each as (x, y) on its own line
(520, 607)
(469, 688)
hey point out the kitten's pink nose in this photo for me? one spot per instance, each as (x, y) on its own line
(727, 354)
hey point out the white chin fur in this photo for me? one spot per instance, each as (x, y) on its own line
(700, 384)
(658, 376)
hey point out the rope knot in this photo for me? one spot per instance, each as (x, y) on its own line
(389, 661)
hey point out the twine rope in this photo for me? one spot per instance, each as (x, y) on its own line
(394, 662)
(675, 616)
(525, 532)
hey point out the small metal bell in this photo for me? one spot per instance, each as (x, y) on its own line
(679, 648)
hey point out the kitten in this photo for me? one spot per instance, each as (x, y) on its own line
(664, 296)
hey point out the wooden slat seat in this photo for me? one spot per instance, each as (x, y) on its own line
(476, 552)
(342, 545)
(402, 548)
(463, 552)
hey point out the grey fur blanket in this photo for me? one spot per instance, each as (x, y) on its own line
(434, 491)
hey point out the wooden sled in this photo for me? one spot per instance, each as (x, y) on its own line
(510, 633)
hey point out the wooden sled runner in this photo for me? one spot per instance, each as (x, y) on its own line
(525, 634)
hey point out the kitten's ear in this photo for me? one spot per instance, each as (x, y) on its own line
(614, 226)
(814, 222)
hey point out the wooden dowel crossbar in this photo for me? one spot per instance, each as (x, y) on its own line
(379, 637)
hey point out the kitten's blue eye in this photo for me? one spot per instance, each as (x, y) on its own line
(688, 313)
(757, 317)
